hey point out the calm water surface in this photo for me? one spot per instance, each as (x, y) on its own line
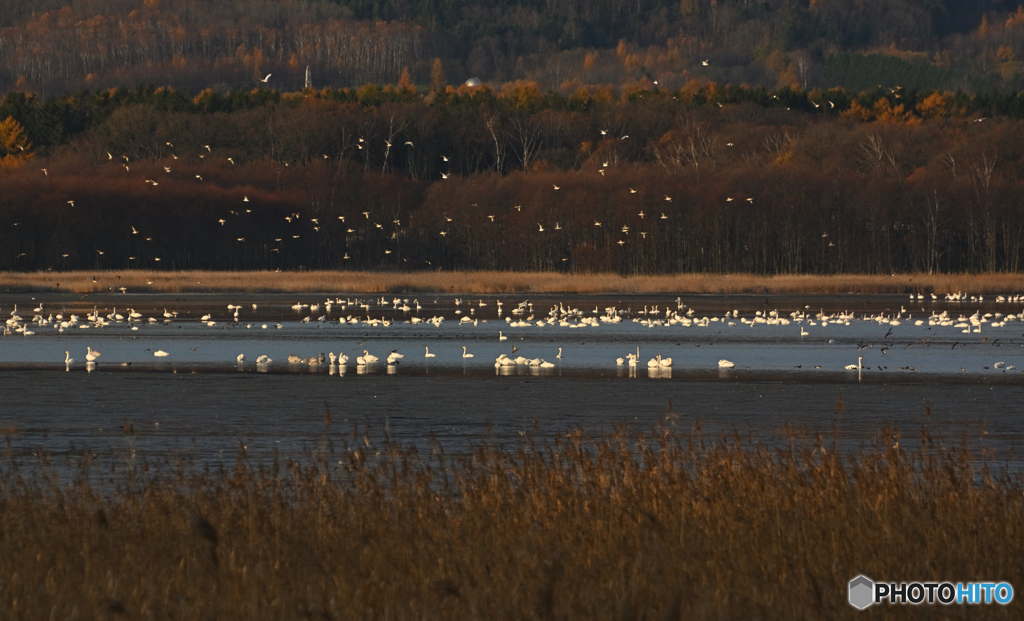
(199, 400)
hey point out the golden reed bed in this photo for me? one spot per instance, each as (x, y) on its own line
(664, 525)
(138, 281)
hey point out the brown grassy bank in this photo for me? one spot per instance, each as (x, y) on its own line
(500, 282)
(623, 526)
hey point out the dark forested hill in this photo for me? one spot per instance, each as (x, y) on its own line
(56, 45)
(699, 135)
(702, 178)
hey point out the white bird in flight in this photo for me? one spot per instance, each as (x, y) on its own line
(264, 80)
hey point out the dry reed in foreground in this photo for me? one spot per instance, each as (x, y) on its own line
(662, 525)
(500, 282)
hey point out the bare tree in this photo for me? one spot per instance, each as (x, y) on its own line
(526, 133)
(493, 124)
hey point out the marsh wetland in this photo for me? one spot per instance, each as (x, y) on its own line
(939, 363)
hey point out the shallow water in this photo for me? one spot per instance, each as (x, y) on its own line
(199, 400)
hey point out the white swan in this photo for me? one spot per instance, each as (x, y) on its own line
(856, 367)
(240, 357)
(620, 361)
(160, 353)
(464, 354)
(725, 364)
(67, 357)
(428, 354)
(502, 337)
(91, 354)
(368, 357)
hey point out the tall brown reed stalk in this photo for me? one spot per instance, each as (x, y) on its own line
(624, 525)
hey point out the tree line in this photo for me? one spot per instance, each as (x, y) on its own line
(53, 46)
(705, 178)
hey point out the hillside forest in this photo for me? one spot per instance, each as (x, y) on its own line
(633, 180)
(770, 136)
(55, 46)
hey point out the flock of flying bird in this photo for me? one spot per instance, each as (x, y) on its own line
(350, 228)
(522, 315)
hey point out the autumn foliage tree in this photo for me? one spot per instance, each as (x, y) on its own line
(15, 149)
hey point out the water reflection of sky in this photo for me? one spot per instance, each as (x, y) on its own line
(205, 402)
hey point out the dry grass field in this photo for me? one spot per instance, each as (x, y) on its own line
(660, 525)
(500, 282)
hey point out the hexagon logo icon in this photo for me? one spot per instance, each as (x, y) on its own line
(861, 591)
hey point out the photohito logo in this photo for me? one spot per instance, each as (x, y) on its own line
(864, 592)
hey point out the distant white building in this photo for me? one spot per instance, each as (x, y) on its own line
(472, 82)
